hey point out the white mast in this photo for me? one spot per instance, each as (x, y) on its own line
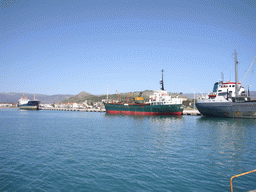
(236, 75)
(107, 93)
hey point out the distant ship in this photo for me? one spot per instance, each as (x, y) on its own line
(160, 103)
(228, 99)
(25, 103)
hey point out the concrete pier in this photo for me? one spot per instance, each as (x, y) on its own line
(191, 112)
(71, 109)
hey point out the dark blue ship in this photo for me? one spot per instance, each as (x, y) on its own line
(25, 103)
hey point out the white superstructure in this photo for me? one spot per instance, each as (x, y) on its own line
(223, 92)
(23, 101)
(161, 97)
(228, 100)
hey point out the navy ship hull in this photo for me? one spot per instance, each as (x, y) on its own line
(228, 109)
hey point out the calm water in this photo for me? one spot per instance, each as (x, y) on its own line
(83, 151)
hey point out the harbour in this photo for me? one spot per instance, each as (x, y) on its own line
(128, 96)
(227, 99)
(76, 151)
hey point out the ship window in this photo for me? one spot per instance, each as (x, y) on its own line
(233, 85)
(219, 90)
(229, 85)
(215, 87)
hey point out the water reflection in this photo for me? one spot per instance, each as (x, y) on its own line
(159, 131)
(227, 140)
(156, 122)
(231, 122)
(166, 121)
(163, 120)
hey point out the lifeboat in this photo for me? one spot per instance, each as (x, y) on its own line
(212, 96)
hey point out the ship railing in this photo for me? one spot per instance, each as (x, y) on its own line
(231, 179)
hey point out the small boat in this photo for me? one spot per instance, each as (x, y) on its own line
(228, 99)
(160, 103)
(25, 103)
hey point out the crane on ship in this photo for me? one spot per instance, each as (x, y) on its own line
(127, 99)
(118, 96)
(249, 69)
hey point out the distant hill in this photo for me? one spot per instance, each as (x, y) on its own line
(81, 97)
(14, 97)
(191, 95)
(253, 94)
(78, 98)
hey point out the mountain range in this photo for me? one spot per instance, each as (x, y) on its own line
(14, 97)
(85, 96)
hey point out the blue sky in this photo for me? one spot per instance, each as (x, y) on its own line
(69, 46)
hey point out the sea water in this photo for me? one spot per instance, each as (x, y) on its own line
(89, 151)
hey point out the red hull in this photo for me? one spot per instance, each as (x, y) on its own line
(142, 113)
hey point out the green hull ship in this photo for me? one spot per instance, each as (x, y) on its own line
(160, 103)
(143, 109)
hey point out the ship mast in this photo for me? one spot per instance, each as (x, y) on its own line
(162, 81)
(236, 75)
(107, 93)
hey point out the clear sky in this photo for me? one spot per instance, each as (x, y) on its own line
(68, 46)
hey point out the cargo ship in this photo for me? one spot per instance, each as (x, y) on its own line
(25, 103)
(228, 99)
(160, 103)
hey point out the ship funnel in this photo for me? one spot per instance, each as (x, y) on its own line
(162, 80)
